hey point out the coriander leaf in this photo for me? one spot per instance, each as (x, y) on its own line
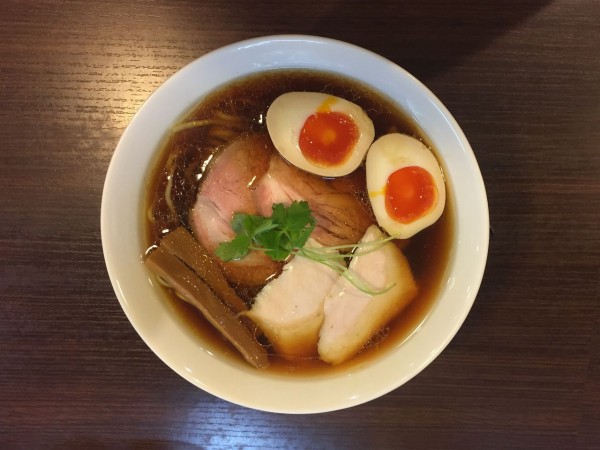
(276, 244)
(300, 223)
(286, 230)
(278, 216)
(298, 216)
(246, 223)
(299, 238)
(266, 225)
(234, 249)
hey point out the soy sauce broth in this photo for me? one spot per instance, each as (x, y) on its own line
(179, 169)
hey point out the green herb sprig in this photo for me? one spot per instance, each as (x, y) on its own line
(285, 233)
(281, 234)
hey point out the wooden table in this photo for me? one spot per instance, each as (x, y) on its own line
(522, 79)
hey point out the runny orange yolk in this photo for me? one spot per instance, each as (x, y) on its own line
(328, 138)
(410, 193)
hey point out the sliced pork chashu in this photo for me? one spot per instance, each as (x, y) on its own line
(352, 317)
(341, 218)
(228, 188)
(289, 309)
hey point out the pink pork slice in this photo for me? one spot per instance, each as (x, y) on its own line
(227, 189)
(341, 218)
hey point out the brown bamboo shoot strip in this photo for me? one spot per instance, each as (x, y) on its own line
(197, 293)
(183, 245)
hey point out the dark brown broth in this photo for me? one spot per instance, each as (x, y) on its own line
(427, 252)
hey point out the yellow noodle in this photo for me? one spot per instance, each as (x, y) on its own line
(168, 192)
(150, 214)
(223, 133)
(192, 124)
(229, 118)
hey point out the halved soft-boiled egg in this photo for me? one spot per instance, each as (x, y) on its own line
(320, 133)
(405, 185)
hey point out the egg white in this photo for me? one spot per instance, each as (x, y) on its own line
(286, 117)
(388, 154)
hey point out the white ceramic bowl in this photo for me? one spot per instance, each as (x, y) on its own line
(122, 235)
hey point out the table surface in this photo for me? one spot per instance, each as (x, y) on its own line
(521, 78)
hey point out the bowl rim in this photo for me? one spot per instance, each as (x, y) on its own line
(274, 393)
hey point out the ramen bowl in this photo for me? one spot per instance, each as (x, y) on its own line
(187, 353)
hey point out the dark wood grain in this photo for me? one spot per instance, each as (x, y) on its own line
(522, 79)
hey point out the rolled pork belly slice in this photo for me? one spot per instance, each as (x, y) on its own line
(289, 309)
(351, 316)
